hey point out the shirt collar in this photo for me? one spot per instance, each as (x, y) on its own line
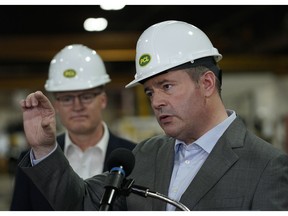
(210, 138)
(102, 144)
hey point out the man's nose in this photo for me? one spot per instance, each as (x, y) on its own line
(158, 100)
(77, 102)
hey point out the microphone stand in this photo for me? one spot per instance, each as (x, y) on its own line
(129, 187)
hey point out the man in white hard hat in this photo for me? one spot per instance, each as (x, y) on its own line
(76, 80)
(207, 160)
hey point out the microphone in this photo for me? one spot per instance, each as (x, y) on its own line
(120, 163)
(129, 187)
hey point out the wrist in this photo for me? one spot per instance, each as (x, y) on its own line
(40, 152)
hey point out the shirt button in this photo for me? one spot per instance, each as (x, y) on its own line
(187, 162)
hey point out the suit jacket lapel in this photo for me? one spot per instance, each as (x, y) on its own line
(164, 166)
(218, 162)
(61, 140)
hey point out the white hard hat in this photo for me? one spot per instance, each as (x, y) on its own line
(76, 67)
(169, 44)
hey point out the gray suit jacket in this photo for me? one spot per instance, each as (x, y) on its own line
(243, 172)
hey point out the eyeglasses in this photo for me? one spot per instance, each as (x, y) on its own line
(85, 98)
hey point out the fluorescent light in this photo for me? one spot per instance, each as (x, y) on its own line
(95, 24)
(112, 6)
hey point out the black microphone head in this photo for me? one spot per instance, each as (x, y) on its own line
(121, 157)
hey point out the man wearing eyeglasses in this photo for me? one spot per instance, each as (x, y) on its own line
(77, 78)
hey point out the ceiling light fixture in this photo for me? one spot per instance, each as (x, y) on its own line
(95, 24)
(112, 6)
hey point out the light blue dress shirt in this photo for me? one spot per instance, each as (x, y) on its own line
(190, 157)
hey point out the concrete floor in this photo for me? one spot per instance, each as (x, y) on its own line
(6, 187)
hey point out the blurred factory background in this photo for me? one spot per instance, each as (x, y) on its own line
(253, 40)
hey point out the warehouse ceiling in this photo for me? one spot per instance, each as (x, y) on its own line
(246, 35)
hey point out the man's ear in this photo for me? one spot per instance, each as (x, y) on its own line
(104, 100)
(209, 82)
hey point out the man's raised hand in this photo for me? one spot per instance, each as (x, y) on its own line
(39, 123)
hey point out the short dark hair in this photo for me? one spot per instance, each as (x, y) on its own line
(196, 72)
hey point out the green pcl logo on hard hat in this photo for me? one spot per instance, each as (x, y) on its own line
(144, 60)
(70, 73)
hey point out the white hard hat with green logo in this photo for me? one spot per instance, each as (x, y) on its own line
(76, 67)
(169, 44)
